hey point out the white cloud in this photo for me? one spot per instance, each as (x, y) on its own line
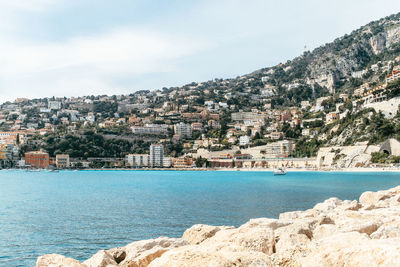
(90, 61)
(43, 49)
(28, 5)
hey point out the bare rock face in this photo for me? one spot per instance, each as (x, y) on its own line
(333, 233)
(378, 43)
(55, 260)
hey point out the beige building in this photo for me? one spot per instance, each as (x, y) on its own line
(276, 135)
(62, 161)
(331, 117)
(280, 149)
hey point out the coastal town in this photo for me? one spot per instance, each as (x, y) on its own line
(233, 123)
(200, 133)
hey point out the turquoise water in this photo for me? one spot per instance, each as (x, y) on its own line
(78, 213)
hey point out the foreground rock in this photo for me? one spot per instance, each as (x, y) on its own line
(333, 233)
(54, 260)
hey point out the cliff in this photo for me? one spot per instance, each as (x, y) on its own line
(333, 233)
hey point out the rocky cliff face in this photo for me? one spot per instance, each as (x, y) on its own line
(333, 64)
(333, 233)
(353, 52)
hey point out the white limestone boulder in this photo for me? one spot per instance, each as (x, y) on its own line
(141, 253)
(212, 256)
(55, 260)
(353, 250)
(200, 232)
(101, 259)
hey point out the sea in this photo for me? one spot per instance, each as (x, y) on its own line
(77, 213)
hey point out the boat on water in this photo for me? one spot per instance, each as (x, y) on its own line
(279, 171)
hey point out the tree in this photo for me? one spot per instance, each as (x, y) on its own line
(200, 162)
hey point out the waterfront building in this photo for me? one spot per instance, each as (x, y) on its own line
(37, 159)
(183, 162)
(62, 161)
(221, 163)
(156, 155)
(280, 149)
(137, 160)
(167, 162)
(3, 152)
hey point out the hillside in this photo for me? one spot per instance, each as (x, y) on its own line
(341, 93)
(340, 66)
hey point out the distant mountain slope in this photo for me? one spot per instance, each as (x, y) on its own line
(332, 65)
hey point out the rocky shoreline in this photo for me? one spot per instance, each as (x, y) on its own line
(333, 233)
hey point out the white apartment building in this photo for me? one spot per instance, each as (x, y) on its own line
(156, 155)
(137, 160)
(244, 140)
(150, 129)
(393, 76)
(183, 130)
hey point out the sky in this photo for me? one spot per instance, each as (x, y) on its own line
(93, 47)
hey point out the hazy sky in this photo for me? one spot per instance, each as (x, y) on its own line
(82, 47)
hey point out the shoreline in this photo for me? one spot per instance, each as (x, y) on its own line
(359, 170)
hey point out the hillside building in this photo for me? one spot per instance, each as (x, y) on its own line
(183, 130)
(331, 117)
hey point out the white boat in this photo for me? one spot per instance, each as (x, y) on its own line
(279, 171)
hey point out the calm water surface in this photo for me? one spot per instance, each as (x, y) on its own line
(78, 213)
